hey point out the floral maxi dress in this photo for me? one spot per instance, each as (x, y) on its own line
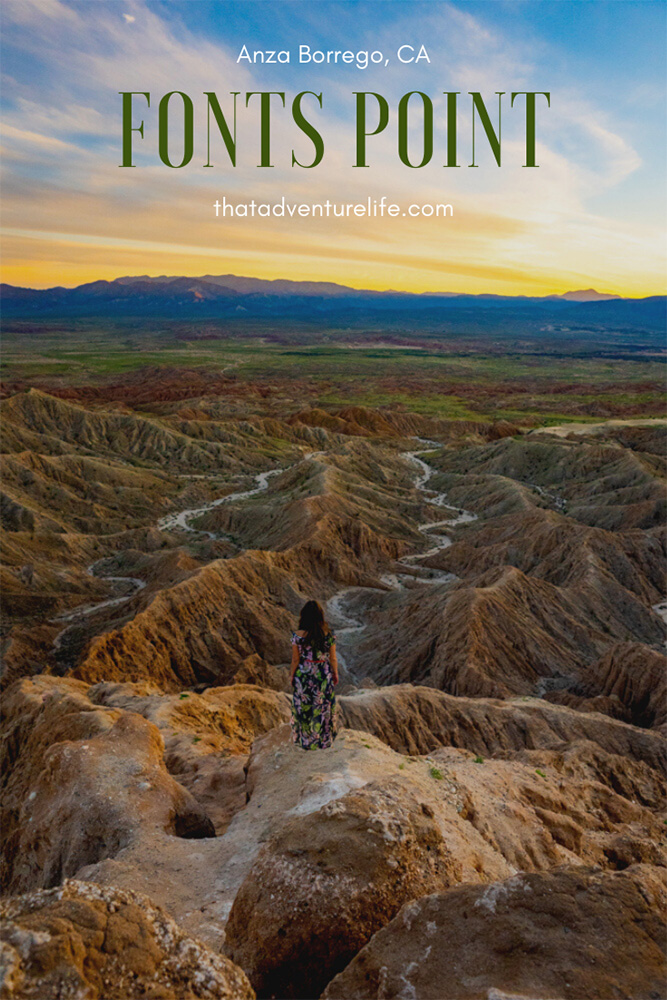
(313, 701)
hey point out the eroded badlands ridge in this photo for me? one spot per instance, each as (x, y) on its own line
(497, 596)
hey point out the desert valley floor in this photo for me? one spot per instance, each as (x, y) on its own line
(490, 822)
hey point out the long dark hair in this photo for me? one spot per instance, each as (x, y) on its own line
(311, 621)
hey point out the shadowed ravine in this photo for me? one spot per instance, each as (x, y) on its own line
(348, 627)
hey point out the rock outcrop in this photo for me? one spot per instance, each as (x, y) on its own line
(560, 935)
(316, 852)
(85, 940)
(207, 736)
(255, 670)
(366, 835)
(371, 830)
(81, 784)
(225, 719)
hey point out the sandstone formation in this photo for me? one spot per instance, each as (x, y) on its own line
(561, 935)
(83, 940)
(563, 563)
(38, 418)
(207, 736)
(198, 630)
(328, 879)
(340, 865)
(81, 784)
(338, 839)
(362, 421)
(548, 586)
(255, 670)
(226, 719)
(283, 783)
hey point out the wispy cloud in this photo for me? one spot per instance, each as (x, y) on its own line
(513, 228)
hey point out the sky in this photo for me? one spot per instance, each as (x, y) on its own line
(592, 214)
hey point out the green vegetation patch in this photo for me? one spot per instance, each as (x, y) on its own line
(478, 376)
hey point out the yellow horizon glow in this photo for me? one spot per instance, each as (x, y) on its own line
(64, 263)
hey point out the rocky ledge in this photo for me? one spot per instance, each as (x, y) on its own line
(525, 839)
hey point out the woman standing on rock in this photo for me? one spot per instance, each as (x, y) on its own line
(314, 673)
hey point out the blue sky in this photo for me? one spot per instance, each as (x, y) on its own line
(593, 214)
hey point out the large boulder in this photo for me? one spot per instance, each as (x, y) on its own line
(87, 941)
(328, 879)
(559, 935)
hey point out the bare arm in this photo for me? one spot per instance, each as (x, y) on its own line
(333, 660)
(295, 662)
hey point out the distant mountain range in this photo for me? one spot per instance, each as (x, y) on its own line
(210, 286)
(284, 286)
(228, 295)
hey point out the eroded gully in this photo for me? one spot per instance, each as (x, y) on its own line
(179, 521)
(347, 626)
